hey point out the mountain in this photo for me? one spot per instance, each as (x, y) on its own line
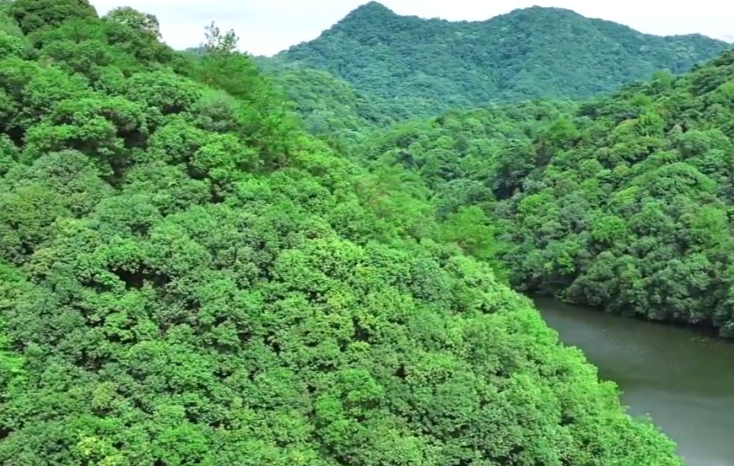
(189, 278)
(625, 202)
(423, 66)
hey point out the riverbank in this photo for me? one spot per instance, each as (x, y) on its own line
(705, 329)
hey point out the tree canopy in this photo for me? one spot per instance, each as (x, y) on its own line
(622, 202)
(415, 67)
(188, 278)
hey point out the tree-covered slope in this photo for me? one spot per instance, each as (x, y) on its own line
(623, 202)
(424, 66)
(186, 278)
(328, 105)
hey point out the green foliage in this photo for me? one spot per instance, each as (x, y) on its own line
(187, 278)
(36, 15)
(221, 66)
(413, 67)
(143, 22)
(11, 45)
(624, 202)
(7, 24)
(328, 106)
(469, 227)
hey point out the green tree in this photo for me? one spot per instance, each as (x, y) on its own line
(188, 278)
(144, 22)
(36, 15)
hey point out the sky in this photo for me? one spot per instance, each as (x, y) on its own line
(266, 27)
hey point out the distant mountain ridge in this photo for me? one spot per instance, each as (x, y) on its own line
(425, 66)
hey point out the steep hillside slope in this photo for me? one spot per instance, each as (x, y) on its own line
(625, 203)
(425, 66)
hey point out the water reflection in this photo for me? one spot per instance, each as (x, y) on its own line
(683, 380)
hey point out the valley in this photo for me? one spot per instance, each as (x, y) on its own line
(322, 258)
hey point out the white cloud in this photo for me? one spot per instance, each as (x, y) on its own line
(268, 26)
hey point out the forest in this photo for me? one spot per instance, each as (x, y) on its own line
(411, 67)
(622, 202)
(191, 275)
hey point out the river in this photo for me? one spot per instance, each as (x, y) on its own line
(683, 380)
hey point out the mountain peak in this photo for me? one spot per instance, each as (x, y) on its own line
(370, 8)
(548, 12)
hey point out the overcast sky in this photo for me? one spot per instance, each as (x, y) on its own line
(266, 27)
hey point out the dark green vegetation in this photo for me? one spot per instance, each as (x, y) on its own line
(413, 67)
(187, 278)
(624, 202)
(330, 107)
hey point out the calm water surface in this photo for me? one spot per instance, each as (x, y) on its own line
(683, 380)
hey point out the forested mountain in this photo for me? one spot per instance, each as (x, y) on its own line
(424, 66)
(623, 202)
(188, 278)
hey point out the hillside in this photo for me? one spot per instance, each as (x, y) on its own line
(188, 278)
(624, 202)
(424, 66)
(329, 107)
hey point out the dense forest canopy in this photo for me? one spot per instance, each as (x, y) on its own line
(330, 107)
(623, 202)
(414, 67)
(188, 278)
